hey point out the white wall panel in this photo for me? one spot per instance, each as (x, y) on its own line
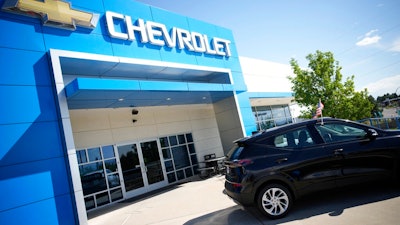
(204, 123)
(204, 111)
(136, 133)
(211, 145)
(171, 114)
(114, 126)
(228, 120)
(89, 120)
(206, 134)
(93, 138)
(173, 128)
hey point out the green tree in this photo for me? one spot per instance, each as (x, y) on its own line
(323, 80)
(376, 111)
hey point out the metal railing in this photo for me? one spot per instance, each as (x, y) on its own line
(383, 123)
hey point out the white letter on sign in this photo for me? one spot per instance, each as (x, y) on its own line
(141, 28)
(110, 25)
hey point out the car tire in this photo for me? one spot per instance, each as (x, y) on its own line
(274, 201)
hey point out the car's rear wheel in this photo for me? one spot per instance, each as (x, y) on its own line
(274, 201)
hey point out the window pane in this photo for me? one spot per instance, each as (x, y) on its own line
(280, 121)
(264, 125)
(181, 157)
(180, 174)
(278, 111)
(164, 142)
(102, 199)
(280, 141)
(108, 151)
(188, 172)
(116, 194)
(113, 180)
(93, 178)
(303, 138)
(111, 165)
(340, 132)
(194, 159)
(94, 154)
(89, 203)
(166, 153)
(169, 166)
(171, 177)
(81, 155)
(172, 140)
(181, 139)
(191, 148)
(287, 111)
(189, 137)
(264, 113)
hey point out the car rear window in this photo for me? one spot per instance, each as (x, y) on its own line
(234, 152)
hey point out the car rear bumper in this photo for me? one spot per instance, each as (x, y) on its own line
(235, 191)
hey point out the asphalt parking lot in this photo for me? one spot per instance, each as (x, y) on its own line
(202, 202)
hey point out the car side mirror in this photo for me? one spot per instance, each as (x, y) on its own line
(372, 134)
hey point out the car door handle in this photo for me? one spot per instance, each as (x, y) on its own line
(279, 161)
(338, 151)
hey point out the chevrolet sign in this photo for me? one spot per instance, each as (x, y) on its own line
(55, 13)
(158, 34)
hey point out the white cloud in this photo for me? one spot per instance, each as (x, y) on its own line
(384, 86)
(369, 38)
(369, 33)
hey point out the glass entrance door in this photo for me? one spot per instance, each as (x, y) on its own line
(152, 162)
(129, 158)
(141, 167)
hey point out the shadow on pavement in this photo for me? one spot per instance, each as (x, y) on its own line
(142, 197)
(332, 202)
(126, 202)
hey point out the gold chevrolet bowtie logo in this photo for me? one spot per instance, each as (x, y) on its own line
(54, 13)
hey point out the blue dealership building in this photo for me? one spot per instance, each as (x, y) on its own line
(105, 100)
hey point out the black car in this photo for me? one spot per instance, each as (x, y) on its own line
(273, 168)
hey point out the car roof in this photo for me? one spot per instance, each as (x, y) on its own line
(274, 130)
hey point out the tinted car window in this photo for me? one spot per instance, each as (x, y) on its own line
(235, 151)
(335, 132)
(298, 138)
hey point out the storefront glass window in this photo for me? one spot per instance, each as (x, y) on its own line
(94, 154)
(172, 140)
(99, 176)
(81, 155)
(108, 151)
(181, 139)
(93, 178)
(270, 116)
(180, 157)
(164, 142)
(189, 137)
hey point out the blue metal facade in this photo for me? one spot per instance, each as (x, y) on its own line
(35, 180)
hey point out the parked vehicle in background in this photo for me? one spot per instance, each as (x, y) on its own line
(273, 168)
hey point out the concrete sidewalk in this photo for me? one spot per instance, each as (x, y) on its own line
(176, 205)
(204, 203)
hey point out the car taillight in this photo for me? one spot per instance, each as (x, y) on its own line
(237, 185)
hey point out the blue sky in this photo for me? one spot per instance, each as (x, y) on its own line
(364, 36)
